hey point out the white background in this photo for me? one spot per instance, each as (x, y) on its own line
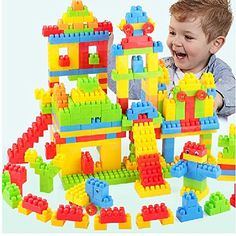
(25, 68)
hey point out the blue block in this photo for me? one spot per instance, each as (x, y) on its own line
(77, 72)
(138, 32)
(179, 169)
(209, 170)
(130, 19)
(69, 128)
(161, 87)
(116, 124)
(117, 50)
(136, 11)
(143, 18)
(71, 140)
(171, 127)
(168, 145)
(111, 136)
(190, 209)
(211, 92)
(64, 38)
(137, 64)
(209, 123)
(98, 191)
(94, 36)
(157, 46)
(228, 172)
(143, 96)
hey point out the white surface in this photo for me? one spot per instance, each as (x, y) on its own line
(25, 68)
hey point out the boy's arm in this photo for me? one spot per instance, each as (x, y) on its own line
(225, 87)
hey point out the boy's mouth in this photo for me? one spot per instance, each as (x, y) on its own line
(180, 55)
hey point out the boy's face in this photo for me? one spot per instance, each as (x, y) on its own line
(188, 45)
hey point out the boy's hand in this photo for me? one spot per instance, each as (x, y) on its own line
(218, 102)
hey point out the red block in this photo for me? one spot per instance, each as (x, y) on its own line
(137, 42)
(87, 163)
(121, 134)
(150, 170)
(17, 173)
(158, 133)
(227, 167)
(154, 212)
(124, 102)
(114, 215)
(91, 138)
(50, 150)
(104, 26)
(58, 139)
(131, 137)
(189, 107)
(51, 29)
(190, 125)
(72, 213)
(34, 203)
(102, 81)
(196, 149)
(232, 200)
(143, 118)
(64, 61)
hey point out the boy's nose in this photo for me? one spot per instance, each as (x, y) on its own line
(177, 42)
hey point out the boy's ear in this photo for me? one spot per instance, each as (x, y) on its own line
(216, 44)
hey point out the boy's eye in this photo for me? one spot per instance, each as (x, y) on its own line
(171, 32)
(188, 37)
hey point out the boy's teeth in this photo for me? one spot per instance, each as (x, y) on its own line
(180, 55)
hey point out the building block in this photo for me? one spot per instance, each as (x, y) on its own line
(50, 150)
(71, 213)
(87, 163)
(98, 192)
(11, 195)
(45, 216)
(17, 173)
(232, 198)
(6, 179)
(217, 204)
(34, 203)
(190, 209)
(168, 149)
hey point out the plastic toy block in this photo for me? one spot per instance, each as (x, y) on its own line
(142, 41)
(51, 29)
(190, 209)
(87, 163)
(168, 149)
(11, 195)
(22, 210)
(17, 173)
(50, 150)
(104, 26)
(150, 170)
(117, 50)
(190, 125)
(157, 46)
(217, 204)
(98, 191)
(71, 213)
(45, 216)
(180, 169)
(77, 195)
(171, 127)
(154, 212)
(112, 215)
(98, 225)
(209, 123)
(34, 203)
(6, 179)
(55, 221)
(64, 61)
(94, 59)
(232, 198)
(137, 64)
(193, 148)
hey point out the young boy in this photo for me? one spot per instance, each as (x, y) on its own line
(197, 31)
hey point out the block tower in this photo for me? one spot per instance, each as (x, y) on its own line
(78, 45)
(227, 158)
(140, 47)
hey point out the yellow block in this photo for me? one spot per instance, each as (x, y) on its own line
(30, 155)
(77, 195)
(152, 99)
(152, 191)
(103, 86)
(45, 216)
(122, 88)
(150, 86)
(189, 82)
(169, 109)
(169, 220)
(208, 106)
(227, 178)
(225, 161)
(54, 52)
(193, 158)
(164, 78)
(53, 79)
(127, 224)
(84, 223)
(199, 195)
(23, 210)
(122, 64)
(130, 165)
(55, 221)
(207, 80)
(152, 61)
(141, 223)
(98, 225)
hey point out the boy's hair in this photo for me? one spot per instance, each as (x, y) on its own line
(216, 15)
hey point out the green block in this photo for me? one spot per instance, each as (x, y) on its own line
(11, 195)
(71, 12)
(180, 110)
(88, 84)
(126, 124)
(138, 51)
(116, 76)
(148, 74)
(63, 117)
(6, 179)
(199, 108)
(94, 59)
(73, 31)
(194, 184)
(217, 204)
(76, 77)
(166, 172)
(46, 109)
